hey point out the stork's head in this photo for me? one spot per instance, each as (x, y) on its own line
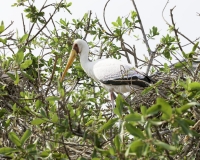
(76, 50)
(78, 45)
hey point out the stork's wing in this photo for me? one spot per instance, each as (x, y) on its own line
(115, 72)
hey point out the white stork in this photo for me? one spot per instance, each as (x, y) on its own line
(114, 75)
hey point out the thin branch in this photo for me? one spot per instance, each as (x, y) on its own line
(142, 29)
(175, 30)
(88, 25)
(104, 12)
(54, 68)
(65, 148)
(44, 25)
(54, 25)
(163, 13)
(24, 27)
(125, 50)
(9, 25)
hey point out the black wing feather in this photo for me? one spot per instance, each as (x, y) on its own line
(142, 82)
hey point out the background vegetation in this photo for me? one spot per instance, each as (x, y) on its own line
(40, 118)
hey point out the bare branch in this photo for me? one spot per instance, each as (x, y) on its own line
(88, 25)
(142, 29)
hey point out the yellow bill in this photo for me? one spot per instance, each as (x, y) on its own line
(69, 63)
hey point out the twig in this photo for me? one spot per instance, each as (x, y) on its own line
(145, 40)
(163, 14)
(44, 24)
(66, 151)
(54, 68)
(142, 29)
(88, 25)
(24, 27)
(9, 25)
(175, 30)
(125, 50)
(150, 63)
(54, 25)
(104, 12)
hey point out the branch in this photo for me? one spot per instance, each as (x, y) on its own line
(54, 68)
(24, 27)
(88, 25)
(175, 30)
(44, 24)
(125, 50)
(104, 12)
(142, 29)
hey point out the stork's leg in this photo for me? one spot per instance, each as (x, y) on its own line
(113, 97)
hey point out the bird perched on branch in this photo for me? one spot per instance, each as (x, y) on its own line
(114, 75)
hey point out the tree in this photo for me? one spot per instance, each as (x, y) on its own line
(43, 118)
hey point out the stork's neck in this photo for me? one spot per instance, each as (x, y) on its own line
(84, 57)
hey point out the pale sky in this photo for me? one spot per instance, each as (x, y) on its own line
(185, 15)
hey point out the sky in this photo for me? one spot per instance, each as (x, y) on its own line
(185, 15)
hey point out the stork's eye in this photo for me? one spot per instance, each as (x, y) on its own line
(75, 47)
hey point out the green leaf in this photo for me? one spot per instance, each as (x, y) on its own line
(153, 109)
(117, 143)
(55, 118)
(108, 124)
(63, 22)
(133, 117)
(28, 76)
(52, 98)
(147, 90)
(23, 39)
(148, 129)
(69, 4)
(26, 64)
(185, 107)
(112, 151)
(119, 21)
(143, 110)
(37, 121)
(134, 131)
(133, 15)
(194, 86)
(119, 106)
(164, 145)
(195, 46)
(45, 153)
(96, 158)
(14, 138)
(3, 40)
(115, 24)
(155, 31)
(7, 150)
(38, 104)
(31, 148)
(20, 55)
(2, 112)
(25, 136)
(16, 78)
(180, 64)
(161, 105)
(137, 147)
(166, 108)
(184, 125)
(2, 27)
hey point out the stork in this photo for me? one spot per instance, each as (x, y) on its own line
(113, 75)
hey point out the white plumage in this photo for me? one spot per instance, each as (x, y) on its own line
(114, 75)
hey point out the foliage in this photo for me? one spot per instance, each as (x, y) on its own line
(42, 118)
